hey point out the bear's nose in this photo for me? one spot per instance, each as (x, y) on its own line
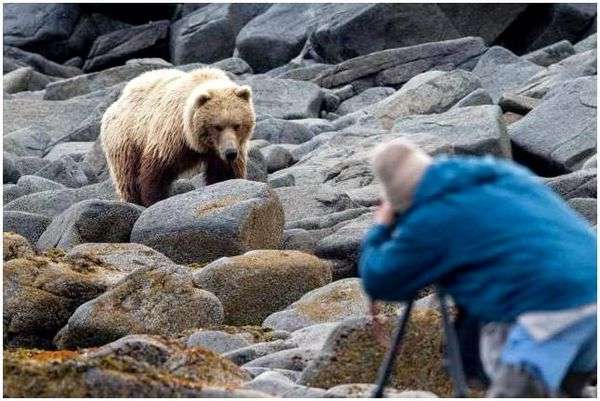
(231, 154)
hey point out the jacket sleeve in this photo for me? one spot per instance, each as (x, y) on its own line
(397, 261)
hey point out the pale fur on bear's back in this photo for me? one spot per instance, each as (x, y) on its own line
(145, 98)
(150, 120)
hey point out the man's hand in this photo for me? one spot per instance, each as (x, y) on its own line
(379, 321)
(385, 214)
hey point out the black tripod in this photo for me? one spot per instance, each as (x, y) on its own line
(452, 359)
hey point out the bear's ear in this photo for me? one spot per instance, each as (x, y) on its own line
(202, 98)
(244, 92)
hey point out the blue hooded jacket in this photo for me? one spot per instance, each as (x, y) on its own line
(491, 235)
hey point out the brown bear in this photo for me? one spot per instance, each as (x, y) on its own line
(168, 121)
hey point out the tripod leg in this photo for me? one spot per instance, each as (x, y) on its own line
(388, 362)
(457, 373)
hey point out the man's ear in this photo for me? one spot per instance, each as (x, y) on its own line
(244, 92)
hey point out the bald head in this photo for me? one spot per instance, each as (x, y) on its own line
(399, 165)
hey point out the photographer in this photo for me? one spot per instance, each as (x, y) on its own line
(507, 249)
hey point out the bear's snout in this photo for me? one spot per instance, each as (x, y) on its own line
(230, 154)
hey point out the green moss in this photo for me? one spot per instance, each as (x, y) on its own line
(16, 246)
(37, 373)
(54, 254)
(418, 367)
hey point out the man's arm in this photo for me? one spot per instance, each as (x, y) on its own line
(396, 262)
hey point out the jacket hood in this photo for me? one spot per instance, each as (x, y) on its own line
(449, 174)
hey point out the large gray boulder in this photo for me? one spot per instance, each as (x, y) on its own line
(84, 84)
(10, 171)
(41, 293)
(485, 20)
(52, 203)
(560, 133)
(285, 98)
(55, 118)
(587, 207)
(28, 141)
(218, 341)
(427, 93)
(44, 28)
(278, 35)
(18, 58)
(89, 129)
(500, 71)
(29, 165)
(276, 130)
(125, 257)
(337, 301)
(29, 225)
(576, 66)
(208, 34)
(343, 245)
(351, 354)
(224, 219)
(397, 66)
(151, 300)
(364, 99)
(25, 79)
(66, 171)
(579, 184)
(295, 359)
(11, 192)
(134, 366)
(278, 385)
(202, 36)
(344, 36)
(76, 150)
(317, 200)
(253, 285)
(589, 43)
(341, 159)
(551, 54)
(116, 47)
(477, 130)
(29, 184)
(277, 157)
(336, 32)
(90, 221)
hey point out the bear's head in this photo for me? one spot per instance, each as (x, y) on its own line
(220, 117)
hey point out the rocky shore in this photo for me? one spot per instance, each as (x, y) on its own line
(249, 288)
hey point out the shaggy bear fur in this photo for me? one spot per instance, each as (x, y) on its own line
(168, 121)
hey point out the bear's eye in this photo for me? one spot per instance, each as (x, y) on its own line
(236, 127)
(219, 127)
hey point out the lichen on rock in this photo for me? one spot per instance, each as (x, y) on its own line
(15, 246)
(352, 355)
(121, 369)
(257, 283)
